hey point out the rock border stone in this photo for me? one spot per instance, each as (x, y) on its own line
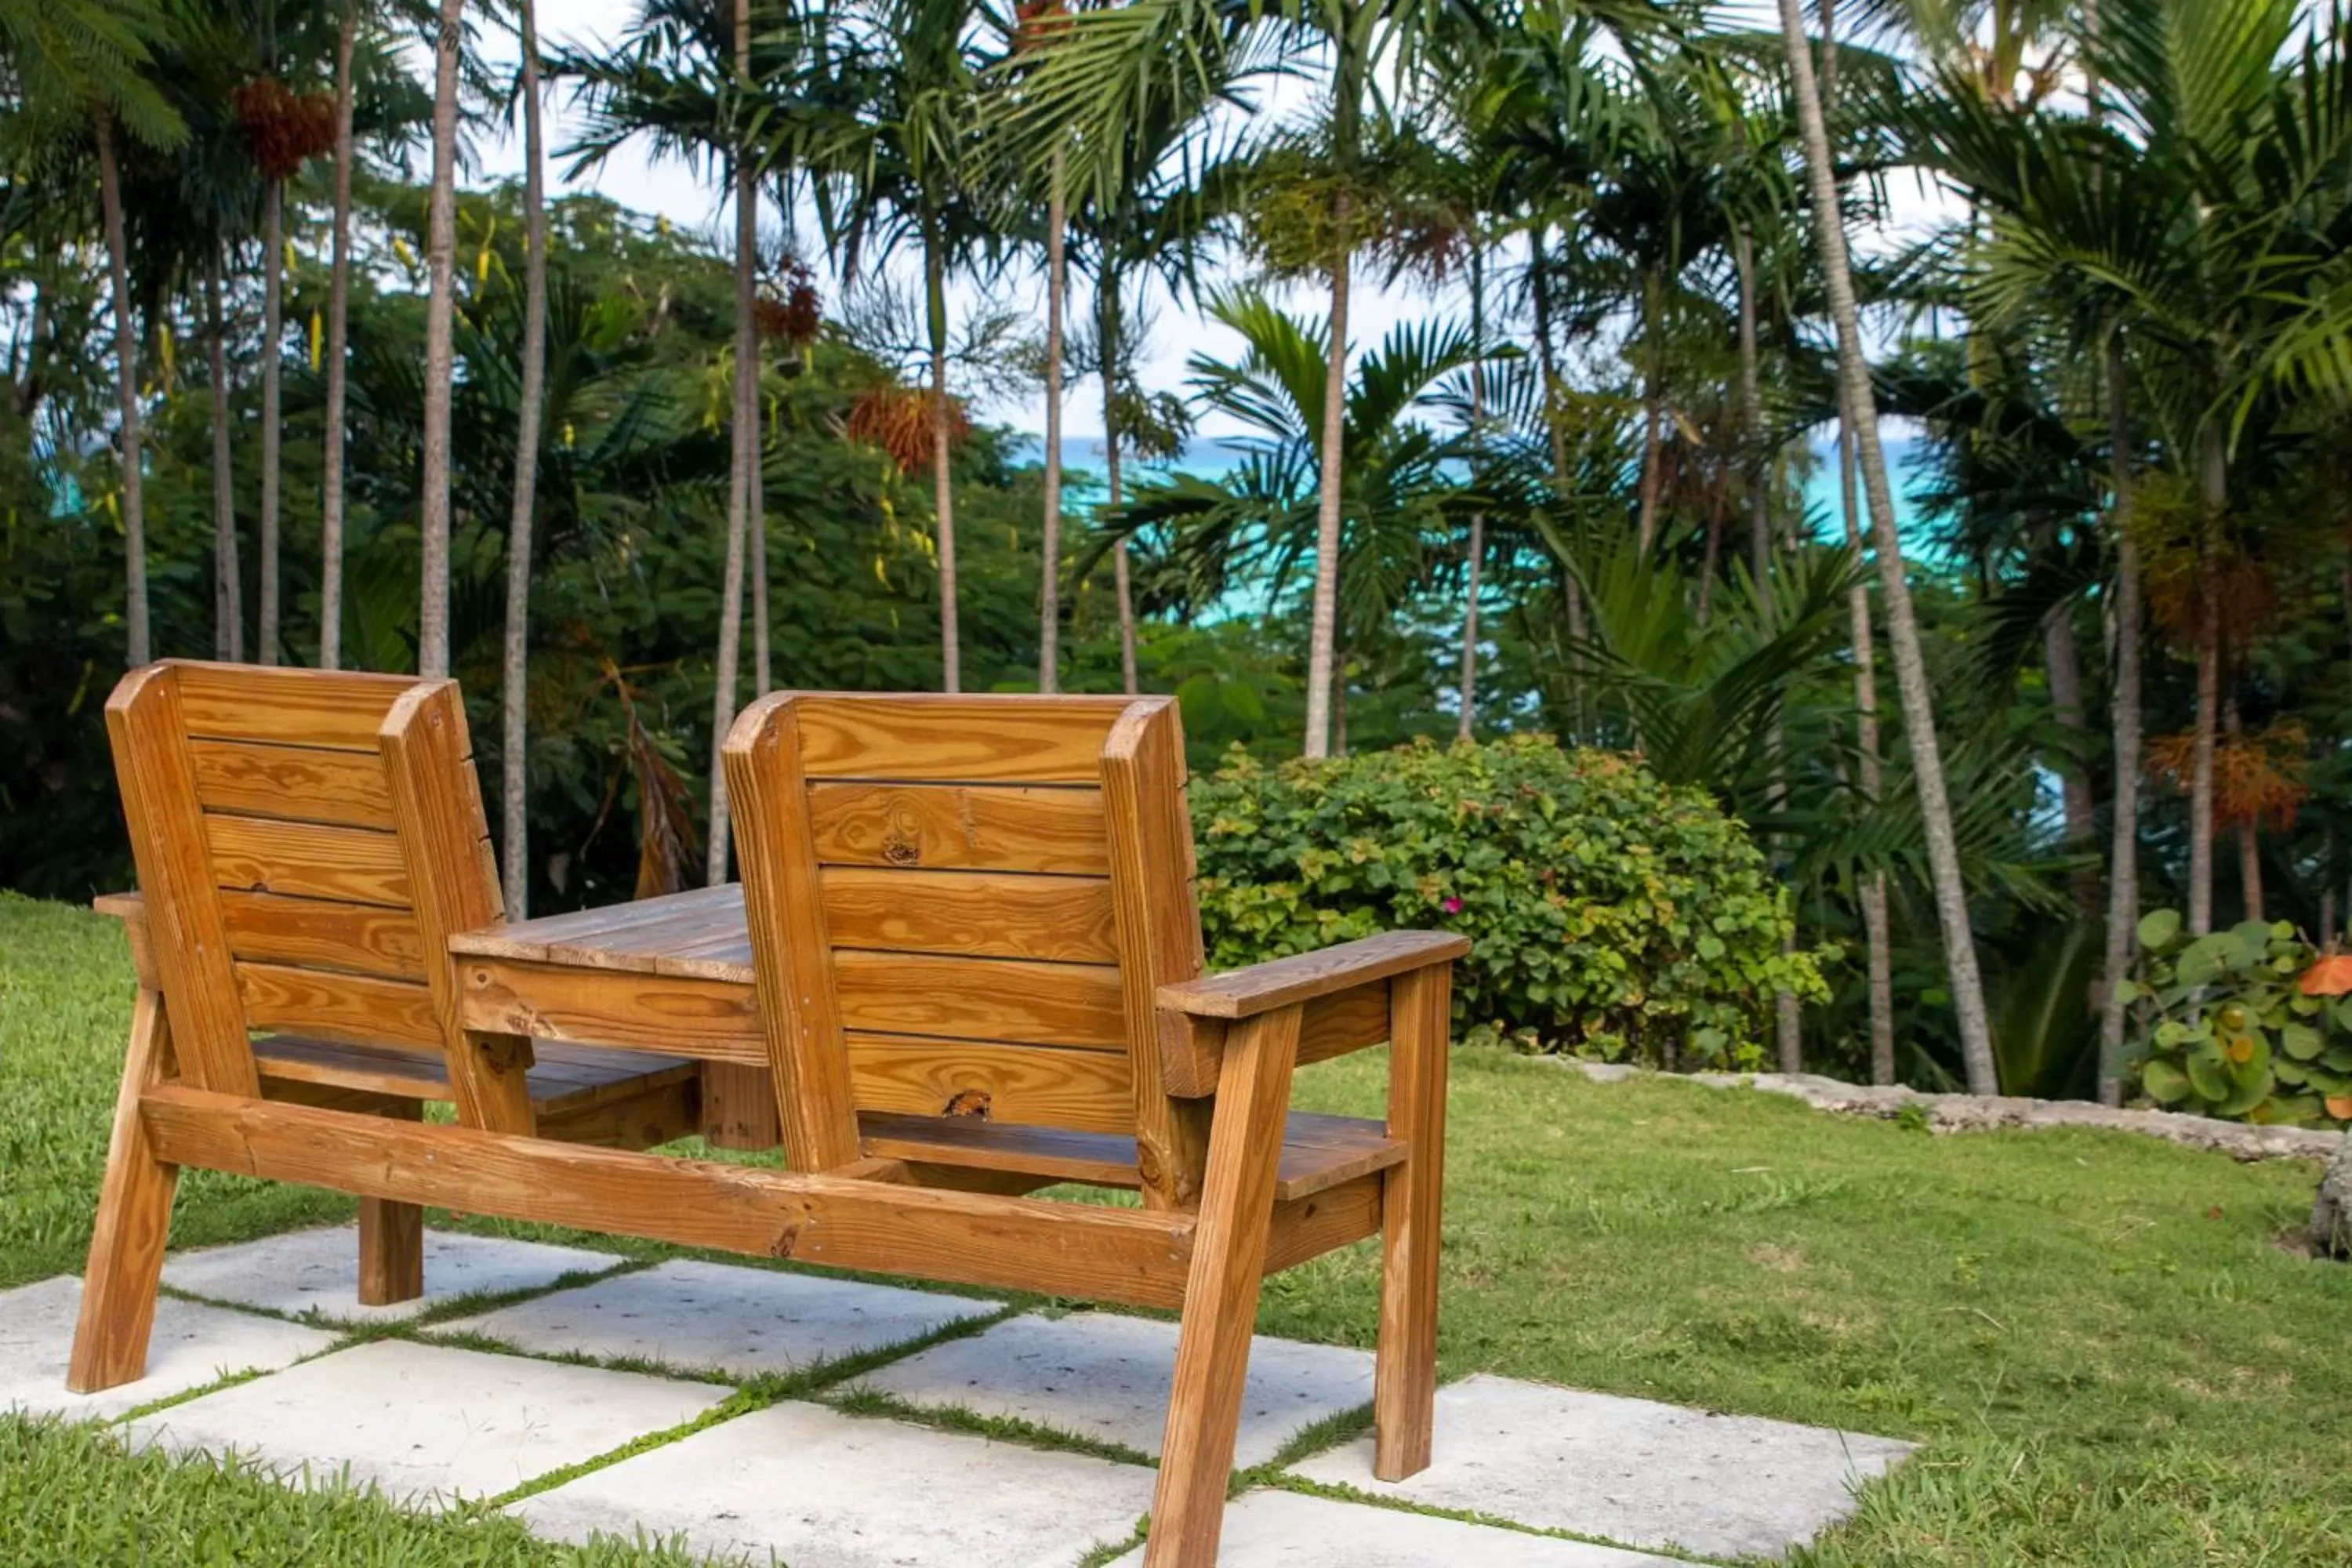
(1980, 1113)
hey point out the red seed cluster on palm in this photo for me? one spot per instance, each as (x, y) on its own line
(898, 420)
(797, 317)
(2257, 778)
(287, 129)
(1035, 23)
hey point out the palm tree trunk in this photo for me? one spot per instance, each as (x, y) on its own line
(338, 292)
(228, 585)
(755, 528)
(741, 472)
(2215, 476)
(440, 356)
(1049, 594)
(2065, 663)
(126, 389)
(2250, 853)
(1323, 629)
(515, 840)
(1474, 551)
(2123, 854)
(1539, 291)
(273, 336)
(935, 294)
(1646, 531)
(1877, 942)
(1903, 631)
(1107, 316)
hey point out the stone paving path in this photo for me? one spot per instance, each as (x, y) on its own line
(884, 1428)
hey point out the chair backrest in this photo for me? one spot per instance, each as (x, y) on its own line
(963, 906)
(305, 840)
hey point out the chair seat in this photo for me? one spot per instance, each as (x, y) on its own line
(1318, 1152)
(565, 1080)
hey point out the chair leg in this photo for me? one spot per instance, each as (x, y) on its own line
(1405, 1381)
(134, 1218)
(392, 1238)
(1229, 1244)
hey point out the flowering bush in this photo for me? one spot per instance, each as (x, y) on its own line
(2251, 1022)
(1607, 913)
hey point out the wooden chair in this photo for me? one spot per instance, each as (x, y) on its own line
(979, 961)
(306, 841)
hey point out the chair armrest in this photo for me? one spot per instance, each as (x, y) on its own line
(132, 911)
(1343, 989)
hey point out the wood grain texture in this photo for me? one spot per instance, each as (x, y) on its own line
(134, 1218)
(1280, 982)
(784, 909)
(307, 859)
(392, 1239)
(1151, 836)
(738, 1107)
(988, 914)
(190, 944)
(319, 934)
(922, 738)
(132, 911)
(1229, 1253)
(1307, 1227)
(428, 759)
(1122, 1256)
(1333, 1026)
(338, 1006)
(719, 1020)
(981, 998)
(303, 782)
(1024, 1085)
(1404, 1384)
(289, 706)
(959, 827)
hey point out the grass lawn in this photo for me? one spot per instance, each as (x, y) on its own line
(2105, 1352)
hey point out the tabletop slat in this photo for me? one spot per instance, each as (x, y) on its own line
(700, 933)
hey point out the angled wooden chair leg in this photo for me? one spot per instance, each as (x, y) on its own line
(1404, 1382)
(134, 1218)
(392, 1238)
(1220, 1293)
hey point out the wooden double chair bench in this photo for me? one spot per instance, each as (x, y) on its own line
(992, 894)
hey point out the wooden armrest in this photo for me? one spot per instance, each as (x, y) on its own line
(132, 911)
(1344, 991)
(1279, 982)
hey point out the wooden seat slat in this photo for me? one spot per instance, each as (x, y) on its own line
(967, 827)
(988, 914)
(308, 783)
(1318, 1152)
(560, 1081)
(307, 859)
(357, 1007)
(1022, 1084)
(614, 936)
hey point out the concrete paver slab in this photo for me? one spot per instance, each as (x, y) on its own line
(1104, 1376)
(192, 1345)
(1284, 1529)
(318, 1270)
(723, 1318)
(428, 1424)
(806, 1485)
(1627, 1469)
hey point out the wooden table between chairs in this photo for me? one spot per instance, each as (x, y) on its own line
(670, 975)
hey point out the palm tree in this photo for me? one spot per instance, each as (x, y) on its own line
(1860, 406)
(339, 294)
(440, 307)
(83, 64)
(516, 672)
(743, 469)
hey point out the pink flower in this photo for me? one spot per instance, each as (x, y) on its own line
(1451, 906)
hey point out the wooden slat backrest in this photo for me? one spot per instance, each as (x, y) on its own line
(283, 893)
(961, 906)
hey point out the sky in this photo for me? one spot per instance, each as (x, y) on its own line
(635, 179)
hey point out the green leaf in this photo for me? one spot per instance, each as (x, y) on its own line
(2158, 928)
(2208, 1076)
(2164, 1083)
(2302, 1042)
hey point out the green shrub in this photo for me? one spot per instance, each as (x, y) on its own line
(1607, 913)
(2228, 1030)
